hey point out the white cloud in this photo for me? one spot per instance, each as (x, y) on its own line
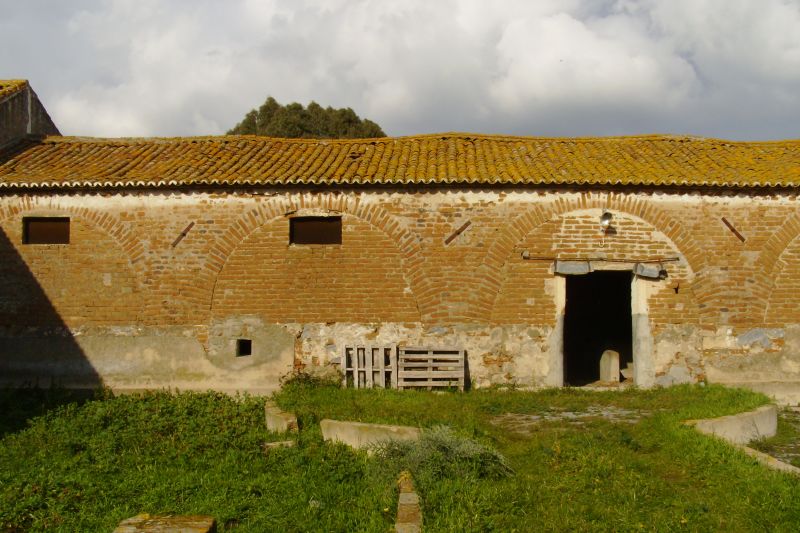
(559, 60)
(735, 39)
(727, 68)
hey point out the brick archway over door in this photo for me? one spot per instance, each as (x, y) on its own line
(500, 250)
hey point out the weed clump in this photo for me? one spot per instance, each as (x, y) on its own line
(440, 454)
(304, 379)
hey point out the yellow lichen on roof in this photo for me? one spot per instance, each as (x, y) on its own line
(9, 87)
(447, 159)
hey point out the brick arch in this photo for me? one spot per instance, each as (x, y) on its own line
(769, 266)
(263, 213)
(524, 297)
(121, 249)
(109, 224)
(780, 277)
(490, 270)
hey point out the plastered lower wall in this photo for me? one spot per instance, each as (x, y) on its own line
(120, 305)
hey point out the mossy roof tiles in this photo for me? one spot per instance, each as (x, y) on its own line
(9, 87)
(441, 160)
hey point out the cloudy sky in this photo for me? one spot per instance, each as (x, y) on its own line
(722, 68)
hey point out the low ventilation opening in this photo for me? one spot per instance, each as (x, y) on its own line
(244, 347)
(597, 317)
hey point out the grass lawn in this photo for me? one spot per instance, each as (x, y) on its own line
(86, 465)
(785, 445)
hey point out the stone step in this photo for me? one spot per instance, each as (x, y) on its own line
(146, 523)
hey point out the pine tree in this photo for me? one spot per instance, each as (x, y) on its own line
(294, 121)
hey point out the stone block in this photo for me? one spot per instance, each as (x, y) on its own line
(408, 507)
(361, 435)
(609, 366)
(277, 420)
(145, 523)
(409, 513)
(278, 444)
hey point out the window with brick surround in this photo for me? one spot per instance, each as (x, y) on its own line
(315, 230)
(45, 230)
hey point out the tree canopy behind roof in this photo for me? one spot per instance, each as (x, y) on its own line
(293, 120)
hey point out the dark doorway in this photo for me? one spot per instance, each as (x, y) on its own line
(597, 317)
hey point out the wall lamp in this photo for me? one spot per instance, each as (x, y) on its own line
(605, 221)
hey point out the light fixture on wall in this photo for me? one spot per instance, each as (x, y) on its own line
(605, 221)
(605, 226)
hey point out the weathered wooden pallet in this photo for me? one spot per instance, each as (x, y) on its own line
(430, 367)
(365, 366)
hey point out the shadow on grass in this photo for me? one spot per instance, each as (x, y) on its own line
(18, 406)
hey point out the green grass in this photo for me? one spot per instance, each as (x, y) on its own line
(18, 406)
(599, 476)
(86, 466)
(785, 445)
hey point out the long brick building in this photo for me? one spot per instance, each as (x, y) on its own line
(225, 262)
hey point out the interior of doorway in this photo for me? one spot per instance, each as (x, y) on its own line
(597, 317)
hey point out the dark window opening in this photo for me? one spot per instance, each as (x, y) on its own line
(244, 347)
(45, 230)
(597, 317)
(315, 230)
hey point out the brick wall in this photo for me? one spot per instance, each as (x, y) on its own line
(398, 266)
(88, 282)
(784, 292)
(361, 280)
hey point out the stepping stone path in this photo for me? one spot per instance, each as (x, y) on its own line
(526, 423)
(409, 514)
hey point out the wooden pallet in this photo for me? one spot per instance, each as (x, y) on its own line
(430, 367)
(368, 366)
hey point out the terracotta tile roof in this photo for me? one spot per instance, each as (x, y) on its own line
(9, 87)
(442, 159)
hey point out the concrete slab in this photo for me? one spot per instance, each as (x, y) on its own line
(277, 420)
(362, 435)
(278, 444)
(771, 462)
(145, 523)
(743, 427)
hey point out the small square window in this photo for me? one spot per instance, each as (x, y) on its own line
(45, 230)
(315, 230)
(244, 347)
